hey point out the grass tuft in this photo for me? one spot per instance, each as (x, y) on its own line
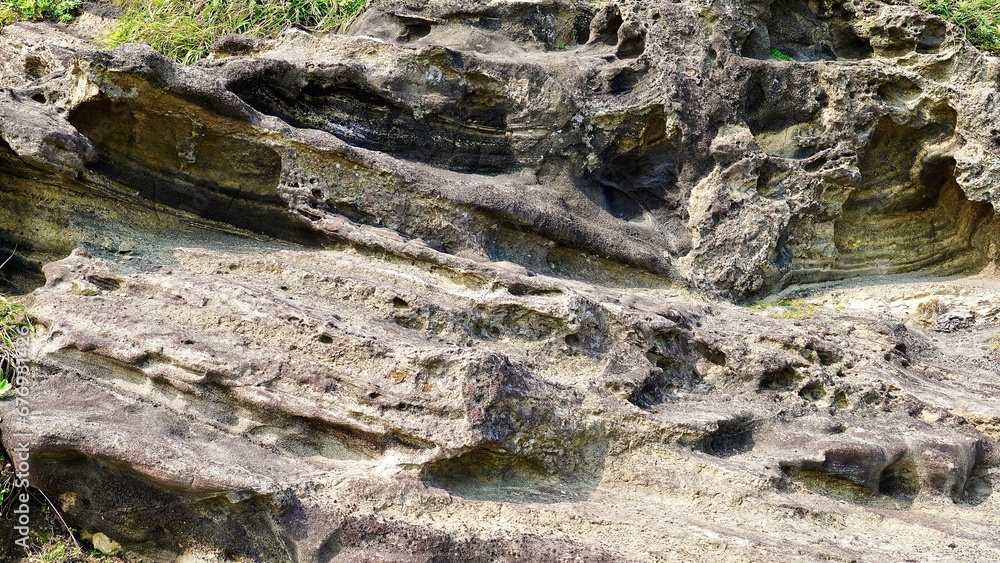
(794, 309)
(57, 10)
(14, 324)
(186, 30)
(979, 19)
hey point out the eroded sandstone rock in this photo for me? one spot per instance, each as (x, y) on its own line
(431, 289)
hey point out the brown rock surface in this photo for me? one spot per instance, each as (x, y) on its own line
(463, 284)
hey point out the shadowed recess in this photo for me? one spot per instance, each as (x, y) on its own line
(805, 32)
(491, 472)
(241, 523)
(908, 212)
(470, 135)
(174, 160)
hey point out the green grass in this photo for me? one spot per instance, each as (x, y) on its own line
(794, 309)
(777, 55)
(14, 324)
(979, 19)
(787, 309)
(56, 10)
(185, 30)
(57, 551)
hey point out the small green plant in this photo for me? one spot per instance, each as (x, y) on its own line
(795, 309)
(561, 47)
(777, 55)
(995, 343)
(57, 553)
(55, 550)
(14, 324)
(979, 19)
(185, 30)
(57, 10)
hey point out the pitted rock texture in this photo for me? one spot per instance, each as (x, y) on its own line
(464, 284)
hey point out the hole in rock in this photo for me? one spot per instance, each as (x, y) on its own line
(624, 81)
(104, 284)
(784, 379)
(520, 290)
(35, 67)
(112, 496)
(640, 181)
(782, 252)
(979, 485)
(632, 46)
(654, 390)
(931, 36)
(488, 23)
(900, 480)
(581, 27)
(20, 275)
(711, 353)
(670, 375)
(413, 28)
(776, 100)
(899, 91)
(731, 437)
(605, 25)
(813, 392)
(799, 30)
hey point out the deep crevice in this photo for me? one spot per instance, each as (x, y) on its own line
(731, 437)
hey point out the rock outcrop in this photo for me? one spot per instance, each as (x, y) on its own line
(465, 284)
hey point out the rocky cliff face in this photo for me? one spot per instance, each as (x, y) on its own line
(463, 284)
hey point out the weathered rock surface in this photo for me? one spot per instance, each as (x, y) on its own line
(461, 285)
